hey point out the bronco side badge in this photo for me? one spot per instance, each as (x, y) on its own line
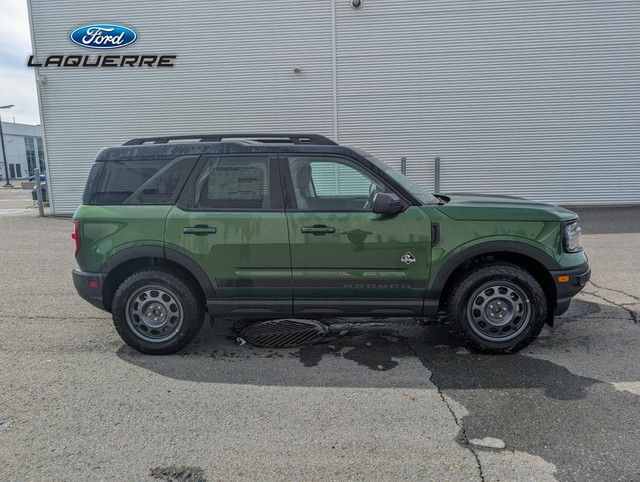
(408, 258)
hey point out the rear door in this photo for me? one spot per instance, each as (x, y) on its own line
(345, 258)
(230, 220)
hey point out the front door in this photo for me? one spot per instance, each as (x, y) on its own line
(345, 259)
(230, 220)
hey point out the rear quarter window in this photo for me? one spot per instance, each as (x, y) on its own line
(142, 182)
(92, 182)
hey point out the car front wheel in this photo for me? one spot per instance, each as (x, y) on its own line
(498, 308)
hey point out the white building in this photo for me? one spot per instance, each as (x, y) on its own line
(539, 98)
(23, 143)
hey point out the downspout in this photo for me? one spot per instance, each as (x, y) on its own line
(335, 70)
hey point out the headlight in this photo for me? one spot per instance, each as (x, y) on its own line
(572, 237)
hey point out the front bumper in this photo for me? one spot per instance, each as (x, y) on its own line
(576, 278)
(89, 286)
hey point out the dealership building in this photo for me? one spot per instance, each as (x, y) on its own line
(539, 99)
(24, 150)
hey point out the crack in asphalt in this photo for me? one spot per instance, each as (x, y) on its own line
(637, 298)
(464, 439)
(623, 306)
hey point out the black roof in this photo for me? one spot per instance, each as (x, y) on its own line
(170, 147)
(147, 148)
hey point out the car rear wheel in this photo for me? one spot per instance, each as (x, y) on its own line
(498, 308)
(157, 312)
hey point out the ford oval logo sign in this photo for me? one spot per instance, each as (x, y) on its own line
(103, 36)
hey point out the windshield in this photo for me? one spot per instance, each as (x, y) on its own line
(418, 191)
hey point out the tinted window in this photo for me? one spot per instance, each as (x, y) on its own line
(331, 184)
(142, 182)
(92, 182)
(232, 182)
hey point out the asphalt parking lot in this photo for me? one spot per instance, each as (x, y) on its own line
(14, 201)
(387, 400)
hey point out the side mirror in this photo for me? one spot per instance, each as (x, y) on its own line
(387, 203)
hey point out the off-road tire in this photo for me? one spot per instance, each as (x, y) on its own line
(467, 286)
(187, 297)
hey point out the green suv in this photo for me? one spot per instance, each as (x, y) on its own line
(275, 226)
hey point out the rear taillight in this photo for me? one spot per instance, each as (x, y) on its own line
(76, 235)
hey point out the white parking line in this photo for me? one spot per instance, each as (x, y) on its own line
(12, 211)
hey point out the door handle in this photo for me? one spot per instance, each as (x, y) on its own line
(199, 230)
(318, 229)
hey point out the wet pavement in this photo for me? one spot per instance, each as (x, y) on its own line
(392, 399)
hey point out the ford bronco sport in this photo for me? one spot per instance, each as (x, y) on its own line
(273, 226)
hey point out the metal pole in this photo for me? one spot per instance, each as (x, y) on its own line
(4, 155)
(437, 175)
(403, 165)
(39, 196)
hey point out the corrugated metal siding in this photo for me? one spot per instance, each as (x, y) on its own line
(234, 73)
(539, 99)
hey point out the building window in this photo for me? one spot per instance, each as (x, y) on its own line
(40, 154)
(35, 154)
(29, 143)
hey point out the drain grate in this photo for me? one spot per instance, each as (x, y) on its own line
(284, 333)
(179, 474)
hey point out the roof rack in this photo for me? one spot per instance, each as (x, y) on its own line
(258, 138)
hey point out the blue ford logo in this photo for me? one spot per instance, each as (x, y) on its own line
(103, 36)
